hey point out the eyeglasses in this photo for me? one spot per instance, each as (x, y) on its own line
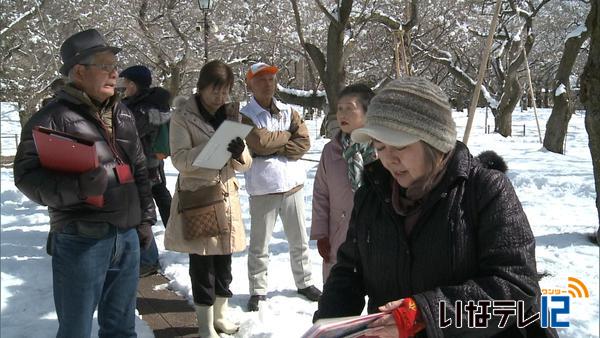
(107, 67)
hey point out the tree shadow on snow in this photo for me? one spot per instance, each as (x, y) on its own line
(15, 204)
(241, 299)
(564, 240)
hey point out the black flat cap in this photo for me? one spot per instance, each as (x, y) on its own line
(80, 45)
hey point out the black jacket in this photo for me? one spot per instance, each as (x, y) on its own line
(151, 109)
(125, 205)
(471, 242)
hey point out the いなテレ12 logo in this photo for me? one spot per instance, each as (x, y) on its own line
(557, 301)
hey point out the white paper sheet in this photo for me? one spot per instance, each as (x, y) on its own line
(215, 154)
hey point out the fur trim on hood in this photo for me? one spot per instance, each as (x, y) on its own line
(491, 160)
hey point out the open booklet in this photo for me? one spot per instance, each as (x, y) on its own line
(346, 327)
(214, 155)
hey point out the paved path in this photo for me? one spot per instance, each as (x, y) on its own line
(168, 314)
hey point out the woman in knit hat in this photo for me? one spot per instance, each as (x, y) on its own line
(432, 228)
(340, 174)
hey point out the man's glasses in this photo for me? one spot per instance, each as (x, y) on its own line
(107, 67)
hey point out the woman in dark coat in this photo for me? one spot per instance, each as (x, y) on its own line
(431, 227)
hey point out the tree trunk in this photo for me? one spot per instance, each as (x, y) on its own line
(461, 102)
(558, 122)
(564, 105)
(508, 102)
(336, 75)
(335, 71)
(331, 66)
(590, 96)
(174, 80)
(511, 89)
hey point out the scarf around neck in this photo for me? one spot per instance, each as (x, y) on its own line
(214, 119)
(100, 110)
(407, 201)
(356, 156)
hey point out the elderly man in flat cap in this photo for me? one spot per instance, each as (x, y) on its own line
(95, 244)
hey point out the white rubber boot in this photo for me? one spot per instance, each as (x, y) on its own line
(205, 316)
(223, 324)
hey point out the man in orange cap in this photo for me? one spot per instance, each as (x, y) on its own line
(275, 182)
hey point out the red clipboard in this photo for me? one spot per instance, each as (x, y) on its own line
(66, 153)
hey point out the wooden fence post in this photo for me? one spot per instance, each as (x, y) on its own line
(532, 95)
(482, 67)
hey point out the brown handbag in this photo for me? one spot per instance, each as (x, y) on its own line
(204, 211)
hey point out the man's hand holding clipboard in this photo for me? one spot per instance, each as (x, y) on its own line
(71, 154)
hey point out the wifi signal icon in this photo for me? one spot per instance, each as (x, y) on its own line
(577, 289)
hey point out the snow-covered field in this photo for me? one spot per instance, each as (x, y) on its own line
(557, 192)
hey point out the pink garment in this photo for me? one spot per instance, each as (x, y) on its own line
(333, 200)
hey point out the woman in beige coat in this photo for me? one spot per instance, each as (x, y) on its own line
(191, 127)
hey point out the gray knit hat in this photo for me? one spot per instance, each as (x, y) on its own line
(408, 110)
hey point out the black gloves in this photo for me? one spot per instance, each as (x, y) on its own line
(93, 182)
(236, 148)
(145, 234)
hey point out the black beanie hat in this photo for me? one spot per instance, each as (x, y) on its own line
(140, 75)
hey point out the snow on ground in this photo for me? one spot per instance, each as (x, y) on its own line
(26, 277)
(557, 192)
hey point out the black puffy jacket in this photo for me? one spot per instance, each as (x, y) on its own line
(471, 242)
(125, 205)
(151, 109)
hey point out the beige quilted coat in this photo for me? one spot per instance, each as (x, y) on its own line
(188, 135)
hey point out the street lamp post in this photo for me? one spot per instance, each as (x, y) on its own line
(205, 6)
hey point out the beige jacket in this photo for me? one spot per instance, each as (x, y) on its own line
(188, 135)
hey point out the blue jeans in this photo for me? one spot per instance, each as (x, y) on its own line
(149, 257)
(90, 272)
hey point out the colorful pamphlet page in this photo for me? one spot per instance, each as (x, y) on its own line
(67, 153)
(345, 327)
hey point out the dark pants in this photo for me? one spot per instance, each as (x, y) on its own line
(210, 276)
(162, 196)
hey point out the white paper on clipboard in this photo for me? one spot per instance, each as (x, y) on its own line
(215, 154)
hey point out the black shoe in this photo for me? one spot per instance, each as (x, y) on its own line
(148, 270)
(311, 293)
(253, 302)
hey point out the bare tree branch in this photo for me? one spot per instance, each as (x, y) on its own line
(326, 12)
(20, 21)
(318, 59)
(302, 42)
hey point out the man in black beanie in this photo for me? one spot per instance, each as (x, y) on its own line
(151, 109)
